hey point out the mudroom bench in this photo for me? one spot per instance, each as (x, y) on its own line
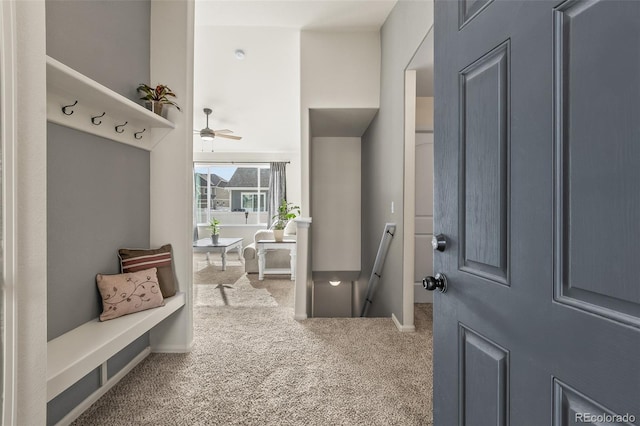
(76, 353)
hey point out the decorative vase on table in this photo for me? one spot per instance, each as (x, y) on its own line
(278, 235)
(214, 239)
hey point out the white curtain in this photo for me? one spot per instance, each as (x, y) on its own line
(277, 189)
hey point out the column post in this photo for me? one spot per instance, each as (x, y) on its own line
(302, 293)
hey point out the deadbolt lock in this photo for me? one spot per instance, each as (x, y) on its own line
(439, 242)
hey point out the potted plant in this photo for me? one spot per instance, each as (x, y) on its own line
(214, 227)
(286, 212)
(156, 97)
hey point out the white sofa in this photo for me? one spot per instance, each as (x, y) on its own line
(279, 259)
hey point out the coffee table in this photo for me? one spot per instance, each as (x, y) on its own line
(224, 246)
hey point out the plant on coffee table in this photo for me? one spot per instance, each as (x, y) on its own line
(214, 227)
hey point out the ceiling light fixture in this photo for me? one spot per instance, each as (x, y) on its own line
(239, 54)
(207, 134)
(334, 283)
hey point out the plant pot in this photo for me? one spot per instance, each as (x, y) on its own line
(214, 239)
(278, 234)
(156, 107)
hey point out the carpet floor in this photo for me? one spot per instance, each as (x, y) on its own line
(252, 364)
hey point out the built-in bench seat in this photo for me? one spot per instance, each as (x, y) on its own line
(76, 353)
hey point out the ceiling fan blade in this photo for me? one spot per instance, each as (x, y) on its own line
(223, 131)
(196, 132)
(237, 138)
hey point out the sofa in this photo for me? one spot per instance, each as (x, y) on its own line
(273, 258)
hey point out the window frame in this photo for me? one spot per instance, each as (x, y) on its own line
(203, 203)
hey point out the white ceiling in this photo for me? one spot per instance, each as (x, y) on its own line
(296, 14)
(259, 97)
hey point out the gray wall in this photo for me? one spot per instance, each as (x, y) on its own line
(97, 202)
(335, 204)
(106, 40)
(383, 155)
(97, 189)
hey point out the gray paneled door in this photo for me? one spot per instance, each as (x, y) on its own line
(537, 170)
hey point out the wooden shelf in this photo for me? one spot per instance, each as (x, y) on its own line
(76, 353)
(65, 86)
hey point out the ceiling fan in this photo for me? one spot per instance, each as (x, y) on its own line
(208, 135)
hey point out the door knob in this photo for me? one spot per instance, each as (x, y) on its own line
(438, 282)
(439, 242)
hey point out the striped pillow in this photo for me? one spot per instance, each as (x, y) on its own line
(134, 260)
(140, 263)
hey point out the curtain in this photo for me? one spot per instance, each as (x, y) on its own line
(277, 189)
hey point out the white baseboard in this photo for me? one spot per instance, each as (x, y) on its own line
(420, 295)
(403, 328)
(300, 317)
(82, 407)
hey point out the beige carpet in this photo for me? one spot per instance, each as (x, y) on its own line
(205, 272)
(252, 364)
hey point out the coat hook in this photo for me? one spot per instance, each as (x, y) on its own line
(121, 125)
(64, 108)
(95, 121)
(138, 135)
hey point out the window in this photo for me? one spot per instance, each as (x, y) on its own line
(233, 194)
(253, 202)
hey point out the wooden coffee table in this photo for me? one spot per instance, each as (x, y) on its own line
(224, 246)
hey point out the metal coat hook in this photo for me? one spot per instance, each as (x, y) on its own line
(138, 135)
(95, 121)
(121, 125)
(64, 108)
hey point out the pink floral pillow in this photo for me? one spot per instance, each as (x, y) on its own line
(124, 294)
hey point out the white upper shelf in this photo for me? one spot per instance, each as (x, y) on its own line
(66, 86)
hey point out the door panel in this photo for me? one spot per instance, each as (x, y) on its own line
(424, 175)
(570, 407)
(594, 170)
(483, 375)
(484, 133)
(536, 172)
(470, 8)
(423, 212)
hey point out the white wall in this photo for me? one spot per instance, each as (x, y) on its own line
(335, 201)
(171, 164)
(25, 286)
(383, 155)
(338, 70)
